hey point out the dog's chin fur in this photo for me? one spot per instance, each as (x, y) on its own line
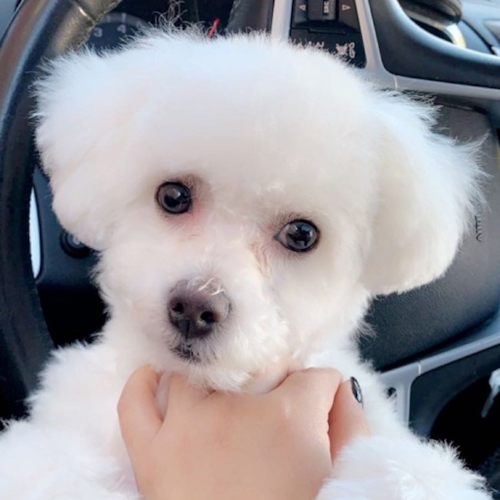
(263, 133)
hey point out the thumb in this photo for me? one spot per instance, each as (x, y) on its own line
(138, 412)
(347, 419)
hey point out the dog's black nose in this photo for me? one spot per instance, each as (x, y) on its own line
(195, 312)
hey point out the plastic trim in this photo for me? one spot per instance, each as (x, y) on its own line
(374, 67)
(402, 378)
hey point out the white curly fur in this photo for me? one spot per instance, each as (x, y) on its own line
(264, 133)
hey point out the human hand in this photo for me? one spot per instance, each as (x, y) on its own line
(271, 446)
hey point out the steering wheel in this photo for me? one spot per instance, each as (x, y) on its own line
(398, 54)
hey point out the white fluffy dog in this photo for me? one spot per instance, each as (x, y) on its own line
(248, 199)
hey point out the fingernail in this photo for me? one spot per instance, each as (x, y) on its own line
(356, 390)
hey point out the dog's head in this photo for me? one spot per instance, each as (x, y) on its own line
(247, 197)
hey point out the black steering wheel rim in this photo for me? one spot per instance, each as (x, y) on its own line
(42, 29)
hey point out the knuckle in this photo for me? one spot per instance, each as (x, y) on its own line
(326, 376)
(325, 372)
(176, 378)
(283, 415)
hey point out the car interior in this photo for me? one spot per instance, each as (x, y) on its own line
(437, 347)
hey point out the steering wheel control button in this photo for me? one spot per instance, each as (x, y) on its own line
(73, 246)
(348, 14)
(321, 10)
(330, 25)
(348, 46)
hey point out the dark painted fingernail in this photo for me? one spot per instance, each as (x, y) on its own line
(356, 390)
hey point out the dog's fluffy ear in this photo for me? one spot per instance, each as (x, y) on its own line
(428, 189)
(78, 126)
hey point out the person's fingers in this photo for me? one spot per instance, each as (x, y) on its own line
(347, 417)
(182, 396)
(312, 389)
(138, 412)
(268, 379)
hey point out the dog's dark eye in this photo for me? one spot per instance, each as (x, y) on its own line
(298, 236)
(174, 197)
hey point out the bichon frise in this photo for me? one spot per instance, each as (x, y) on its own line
(248, 198)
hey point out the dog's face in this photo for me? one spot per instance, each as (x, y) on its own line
(234, 251)
(247, 197)
(240, 245)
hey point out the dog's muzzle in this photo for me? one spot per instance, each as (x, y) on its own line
(196, 311)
